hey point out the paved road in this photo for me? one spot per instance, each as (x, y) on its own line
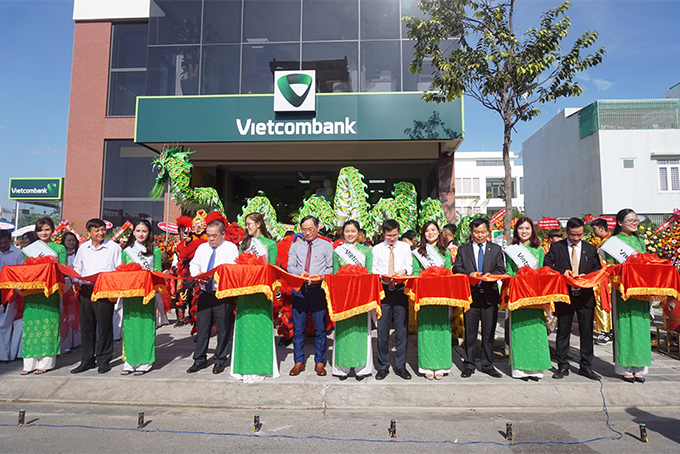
(220, 427)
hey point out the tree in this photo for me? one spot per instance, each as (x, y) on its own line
(507, 73)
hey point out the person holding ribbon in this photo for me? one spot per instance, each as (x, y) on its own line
(392, 258)
(632, 339)
(139, 320)
(310, 257)
(211, 310)
(70, 299)
(352, 347)
(434, 327)
(41, 342)
(529, 350)
(477, 258)
(10, 329)
(253, 348)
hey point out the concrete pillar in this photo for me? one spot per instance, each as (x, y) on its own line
(447, 184)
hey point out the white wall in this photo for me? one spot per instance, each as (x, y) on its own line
(561, 172)
(674, 91)
(110, 9)
(637, 188)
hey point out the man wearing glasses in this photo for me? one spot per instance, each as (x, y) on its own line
(310, 257)
(573, 257)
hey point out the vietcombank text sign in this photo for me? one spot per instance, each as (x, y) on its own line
(36, 188)
(337, 117)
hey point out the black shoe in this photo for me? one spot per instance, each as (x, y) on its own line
(218, 368)
(639, 379)
(628, 379)
(342, 377)
(588, 373)
(403, 373)
(195, 367)
(104, 368)
(382, 373)
(492, 372)
(180, 323)
(532, 378)
(361, 377)
(560, 373)
(82, 368)
(467, 373)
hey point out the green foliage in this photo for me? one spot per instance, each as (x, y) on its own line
(508, 73)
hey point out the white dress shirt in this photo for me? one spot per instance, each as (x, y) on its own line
(13, 256)
(403, 259)
(225, 253)
(570, 248)
(90, 260)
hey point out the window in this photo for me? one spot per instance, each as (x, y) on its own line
(128, 68)
(669, 175)
(495, 189)
(489, 163)
(521, 185)
(128, 179)
(628, 163)
(380, 67)
(467, 186)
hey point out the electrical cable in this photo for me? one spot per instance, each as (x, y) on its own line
(364, 440)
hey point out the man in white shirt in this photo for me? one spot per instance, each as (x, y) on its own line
(95, 256)
(9, 255)
(208, 255)
(392, 258)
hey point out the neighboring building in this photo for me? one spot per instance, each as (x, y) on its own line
(674, 91)
(201, 74)
(610, 155)
(479, 182)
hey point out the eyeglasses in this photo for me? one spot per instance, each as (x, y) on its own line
(575, 235)
(631, 221)
(309, 230)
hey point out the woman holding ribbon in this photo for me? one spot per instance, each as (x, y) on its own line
(632, 342)
(434, 328)
(253, 349)
(353, 333)
(41, 338)
(529, 351)
(70, 299)
(139, 320)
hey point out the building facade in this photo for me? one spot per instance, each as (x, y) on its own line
(480, 183)
(610, 155)
(200, 74)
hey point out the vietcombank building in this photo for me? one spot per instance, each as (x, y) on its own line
(274, 96)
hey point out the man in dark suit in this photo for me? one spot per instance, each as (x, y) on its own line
(574, 257)
(480, 257)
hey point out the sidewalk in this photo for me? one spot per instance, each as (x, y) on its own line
(168, 384)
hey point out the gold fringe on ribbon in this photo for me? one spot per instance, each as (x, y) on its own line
(539, 302)
(373, 305)
(246, 291)
(436, 301)
(647, 293)
(32, 288)
(134, 293)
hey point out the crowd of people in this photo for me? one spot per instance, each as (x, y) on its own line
(245, 336)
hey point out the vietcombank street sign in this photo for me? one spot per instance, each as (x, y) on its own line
(338, 117)
(36, 188)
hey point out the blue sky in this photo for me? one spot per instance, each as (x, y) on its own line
(642, 39)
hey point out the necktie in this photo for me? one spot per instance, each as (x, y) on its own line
(480, 261)
(574, 261)
(308, 261)
(211, 265)
(390, 263)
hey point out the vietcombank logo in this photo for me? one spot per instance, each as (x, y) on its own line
(35, 188)
(294, 91)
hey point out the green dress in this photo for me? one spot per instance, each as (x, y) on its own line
(529, 350)
(632, 338)
(40, 336)
(350, 348)
(434, 330)
(139, 324)
(253, 345)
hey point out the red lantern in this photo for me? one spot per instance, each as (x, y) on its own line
(548, 224)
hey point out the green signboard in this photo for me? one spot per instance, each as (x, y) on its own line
(36, 188)
(338, 117)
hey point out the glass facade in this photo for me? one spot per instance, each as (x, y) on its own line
(128, 179)
(211, 47)
(128, 67)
